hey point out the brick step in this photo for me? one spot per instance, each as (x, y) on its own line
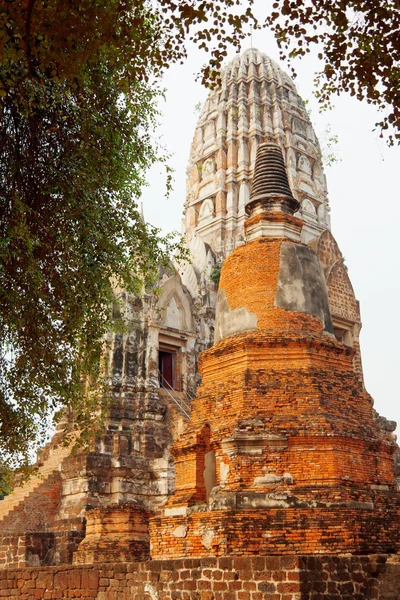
(20, 493)
(22, 509)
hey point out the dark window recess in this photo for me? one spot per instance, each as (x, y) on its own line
(166, 369)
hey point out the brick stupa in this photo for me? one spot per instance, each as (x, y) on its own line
(281, 455)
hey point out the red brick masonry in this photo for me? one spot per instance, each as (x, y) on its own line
(225, 578)
(300, 466)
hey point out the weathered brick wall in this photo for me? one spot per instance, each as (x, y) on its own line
(320, 530)
(115, 533)
(327, 249)
(300, 467)
(225, 578)
(250, 279)
(342, 301)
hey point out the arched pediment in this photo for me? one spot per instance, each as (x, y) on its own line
(189, 278)
(206, 210)
(342, 300)
(175, 306)
(308, 207)
(327, 249)
(304, 164)
(199, 253)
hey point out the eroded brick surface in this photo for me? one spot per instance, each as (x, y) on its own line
(300, 466)
(225, 578)
(115, 533)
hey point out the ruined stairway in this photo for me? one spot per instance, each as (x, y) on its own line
(54, 454)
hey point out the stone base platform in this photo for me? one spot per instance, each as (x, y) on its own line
(224, 578)
(115, 533)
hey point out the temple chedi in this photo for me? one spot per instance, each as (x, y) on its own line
(242, 457)
(282, 447)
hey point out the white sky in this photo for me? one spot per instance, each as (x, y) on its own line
(364, 198)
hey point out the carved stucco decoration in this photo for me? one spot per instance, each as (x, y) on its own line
(175, 308)
(256, 102)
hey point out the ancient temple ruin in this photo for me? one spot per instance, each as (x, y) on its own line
(241, 439)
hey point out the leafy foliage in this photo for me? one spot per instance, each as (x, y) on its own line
(215, 276)
(329, 142)
(75, 143)
(358, 41)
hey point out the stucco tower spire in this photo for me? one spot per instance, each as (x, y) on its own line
(256, 102)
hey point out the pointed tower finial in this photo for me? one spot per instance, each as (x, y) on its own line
(271, 205)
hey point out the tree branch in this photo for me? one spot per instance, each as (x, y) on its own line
(31, 4)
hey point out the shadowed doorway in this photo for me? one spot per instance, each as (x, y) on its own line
(166, 366)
